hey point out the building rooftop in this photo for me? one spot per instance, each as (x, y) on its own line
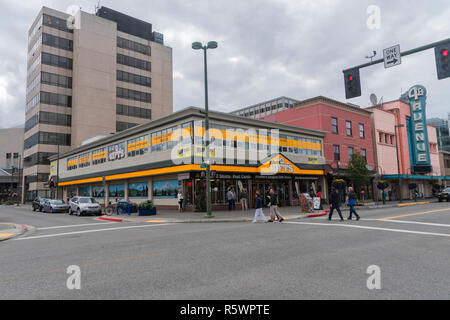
(264, 102)
(186, 113)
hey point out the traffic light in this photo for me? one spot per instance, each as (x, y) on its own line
(442, 64)
(352, 83)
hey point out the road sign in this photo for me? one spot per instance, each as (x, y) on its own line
(392, 56)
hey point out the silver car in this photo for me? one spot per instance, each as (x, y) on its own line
(84, 205)
(53, 206)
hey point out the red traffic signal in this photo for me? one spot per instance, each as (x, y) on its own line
(352, 83)
(442, 63)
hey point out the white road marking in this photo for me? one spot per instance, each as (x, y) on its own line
(76, 225)
(371, 228)
(412, 222)
(89, 231)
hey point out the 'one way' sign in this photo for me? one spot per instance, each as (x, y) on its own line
(392, 56)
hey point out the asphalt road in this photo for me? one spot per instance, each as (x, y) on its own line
(298, 259)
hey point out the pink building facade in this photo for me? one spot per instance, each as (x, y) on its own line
(384, 122)
(349, 130)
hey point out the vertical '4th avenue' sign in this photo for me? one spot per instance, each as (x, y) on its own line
(418, 132)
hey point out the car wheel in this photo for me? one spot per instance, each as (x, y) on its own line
(70, 211)
(78, 212)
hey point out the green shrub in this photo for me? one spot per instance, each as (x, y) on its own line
(145, 206)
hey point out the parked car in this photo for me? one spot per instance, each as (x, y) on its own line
(38, 204)
(53, 206)
(444, 194)
(84, 205)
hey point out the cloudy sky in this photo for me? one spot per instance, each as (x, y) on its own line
(267, 48)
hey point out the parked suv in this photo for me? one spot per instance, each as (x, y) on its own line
(38, 204)
(444, 194)
(84, 205)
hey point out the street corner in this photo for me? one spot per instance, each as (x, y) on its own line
(12, 230)
(109, 219)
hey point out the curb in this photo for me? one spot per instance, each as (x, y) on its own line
(110, 219)
(21, 230)
(213, 220)
(315, 215)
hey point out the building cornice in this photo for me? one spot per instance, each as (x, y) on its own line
(331, 103)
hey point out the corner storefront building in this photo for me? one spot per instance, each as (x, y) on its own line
(155, 160)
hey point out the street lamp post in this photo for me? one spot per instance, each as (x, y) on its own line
(198, 46)
(57, 165)
(398, 162)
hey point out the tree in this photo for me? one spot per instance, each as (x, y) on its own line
(358, 174)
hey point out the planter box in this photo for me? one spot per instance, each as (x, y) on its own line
(147, 212)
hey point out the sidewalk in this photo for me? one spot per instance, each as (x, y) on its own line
(171, 216)
(289, 213)
(11, 230)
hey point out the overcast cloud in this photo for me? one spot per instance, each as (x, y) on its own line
(267, 48)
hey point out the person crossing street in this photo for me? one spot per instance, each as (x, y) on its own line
(259, 210)
(351, 202)
(334, 203)
(273, 203)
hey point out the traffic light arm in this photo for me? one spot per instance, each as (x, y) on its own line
(403, 54)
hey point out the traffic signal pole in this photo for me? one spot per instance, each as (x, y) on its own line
(403, 54)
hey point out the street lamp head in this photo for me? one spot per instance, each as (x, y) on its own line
(197, 45)
(212, 45)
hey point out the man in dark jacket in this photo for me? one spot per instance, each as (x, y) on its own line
(334, 204)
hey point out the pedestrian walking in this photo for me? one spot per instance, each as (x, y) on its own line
(244, 199)
(234, 199)
(273, 205)
(230, 198)
(180, 198)
(351, 202)
(259, 208)
(334, 203)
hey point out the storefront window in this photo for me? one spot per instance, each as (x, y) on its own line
(117, 190)
(85, 191)
(165, 189)
(138, 190)
(72, 192)
(98, 192)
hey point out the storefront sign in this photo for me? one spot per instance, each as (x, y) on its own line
(278, 164)
(417, 129)
(234, 176)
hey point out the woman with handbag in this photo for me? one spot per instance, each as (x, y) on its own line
(351, 202)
